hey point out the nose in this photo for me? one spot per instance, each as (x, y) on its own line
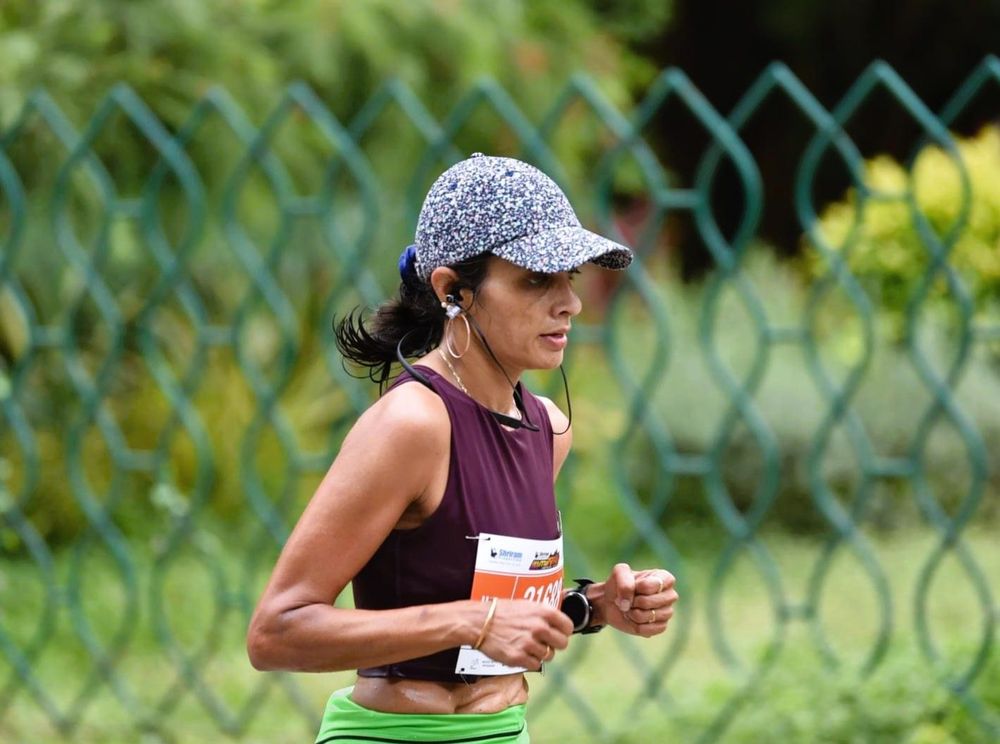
(569, 301)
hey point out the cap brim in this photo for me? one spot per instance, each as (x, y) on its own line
(562, 249)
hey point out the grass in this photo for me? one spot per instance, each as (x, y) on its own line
(672, 688)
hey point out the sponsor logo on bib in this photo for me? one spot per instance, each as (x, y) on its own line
(512, 568)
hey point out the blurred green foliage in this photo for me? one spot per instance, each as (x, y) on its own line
(150, 44)
(173, 55)
(889, 403)
(687, 398)
(800, 702)
(172, 52)
(876, 230)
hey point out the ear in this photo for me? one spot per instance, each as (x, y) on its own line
(443, 280)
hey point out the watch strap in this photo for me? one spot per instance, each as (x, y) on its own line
(581, 589)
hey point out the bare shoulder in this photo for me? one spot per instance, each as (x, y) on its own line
(398, 450)
(563, 434)
(557, 418)
(407, 411)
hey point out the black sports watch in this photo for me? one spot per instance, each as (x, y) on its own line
(578, 608)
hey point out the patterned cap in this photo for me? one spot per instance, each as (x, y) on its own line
(512, 210)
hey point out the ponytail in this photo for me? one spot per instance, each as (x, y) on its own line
(413, 321)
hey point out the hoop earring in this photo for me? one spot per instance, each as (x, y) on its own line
(450, 333)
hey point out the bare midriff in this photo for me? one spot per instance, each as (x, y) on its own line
(488, 695)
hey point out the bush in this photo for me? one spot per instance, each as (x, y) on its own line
(172, 54)
(875, 230)
(174, 51)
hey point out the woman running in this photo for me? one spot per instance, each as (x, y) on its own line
(440, 507)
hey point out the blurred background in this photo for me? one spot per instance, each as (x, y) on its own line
(792, 400)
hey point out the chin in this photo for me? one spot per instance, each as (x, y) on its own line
(548, 361)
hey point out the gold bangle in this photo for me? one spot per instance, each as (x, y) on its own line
(486, 624)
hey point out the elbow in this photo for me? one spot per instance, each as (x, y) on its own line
(260, 648)
(258, 659)
(285, 640)
(257, 652)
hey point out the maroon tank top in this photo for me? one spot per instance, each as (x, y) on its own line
(499, 481)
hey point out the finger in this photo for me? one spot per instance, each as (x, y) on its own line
(557, 641)
(648, 630)
(637, 617)
(559, 621)
(655, 582)
(651, 616)
(655, 601)
(624, 581)
(540, 654)
(551, 628)
(531, 655)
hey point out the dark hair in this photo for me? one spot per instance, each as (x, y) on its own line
(415, 318)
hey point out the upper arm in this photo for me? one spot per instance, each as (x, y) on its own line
(561, 442)
(386, 462)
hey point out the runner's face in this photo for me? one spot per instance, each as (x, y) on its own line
(525, 315)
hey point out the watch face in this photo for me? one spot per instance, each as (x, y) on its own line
(576, 607)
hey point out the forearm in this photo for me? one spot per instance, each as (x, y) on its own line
(595, 595)
(322, 638)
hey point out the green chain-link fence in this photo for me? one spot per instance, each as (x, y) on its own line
(170, 395)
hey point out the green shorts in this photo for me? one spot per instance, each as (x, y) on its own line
(346, 721)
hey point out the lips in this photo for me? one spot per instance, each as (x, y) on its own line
(556, 339)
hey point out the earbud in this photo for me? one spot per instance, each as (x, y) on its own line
(451, 306)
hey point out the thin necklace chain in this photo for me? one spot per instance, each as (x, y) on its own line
(454, 373)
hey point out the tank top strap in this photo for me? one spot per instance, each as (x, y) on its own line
(537, 412)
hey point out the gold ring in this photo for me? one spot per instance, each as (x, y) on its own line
(653, 618)
(549, 653)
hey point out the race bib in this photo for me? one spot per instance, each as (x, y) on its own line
(512, 568)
